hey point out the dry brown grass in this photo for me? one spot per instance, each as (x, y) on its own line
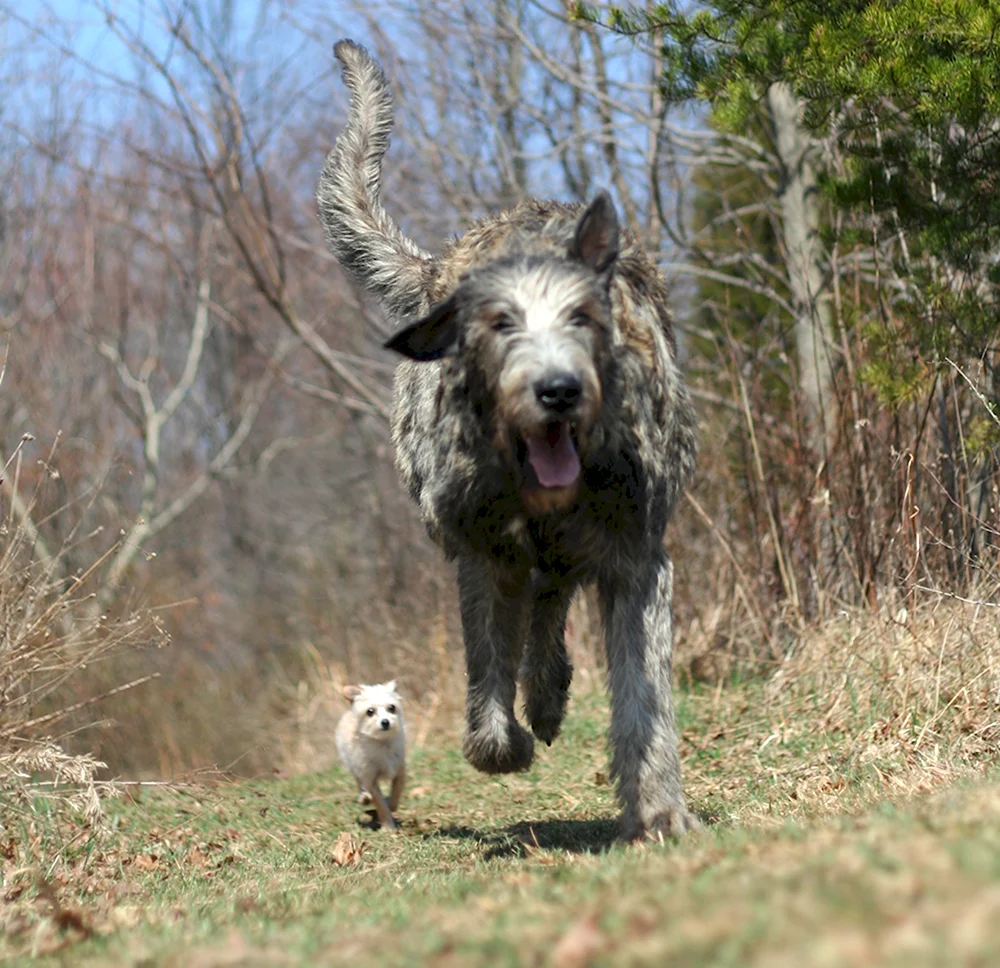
(52, 633)
(927, 681)
(863, 707)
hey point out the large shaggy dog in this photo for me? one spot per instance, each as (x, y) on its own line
(542, 426)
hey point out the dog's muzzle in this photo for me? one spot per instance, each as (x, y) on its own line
(552, 452)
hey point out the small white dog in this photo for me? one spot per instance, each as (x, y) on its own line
(372, 745)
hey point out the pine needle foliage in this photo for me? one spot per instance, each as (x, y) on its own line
(911, 91)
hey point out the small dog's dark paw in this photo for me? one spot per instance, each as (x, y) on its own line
(489, 755)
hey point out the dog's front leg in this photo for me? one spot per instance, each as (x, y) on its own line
(546, 671)
(494, 609)
(644, 761)
(382, 808)
(396, 790)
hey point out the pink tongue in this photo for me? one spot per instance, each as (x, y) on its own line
(554, 457)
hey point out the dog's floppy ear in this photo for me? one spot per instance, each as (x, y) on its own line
(351, 693)
(596, 239)
(431, 337)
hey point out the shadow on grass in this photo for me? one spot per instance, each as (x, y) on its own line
(519, 839)
(575, 836)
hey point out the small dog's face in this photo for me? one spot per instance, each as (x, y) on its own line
(534, 329)
(377, 709)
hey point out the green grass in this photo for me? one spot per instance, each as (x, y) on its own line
(816, 852)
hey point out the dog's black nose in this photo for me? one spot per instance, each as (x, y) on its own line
(385, 724)
(559, 392)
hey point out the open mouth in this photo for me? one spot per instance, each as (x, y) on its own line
(553, 456)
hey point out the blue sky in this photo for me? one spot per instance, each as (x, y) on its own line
(61, 58)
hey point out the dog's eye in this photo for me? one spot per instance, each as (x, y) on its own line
(390, 709)
(581, 319)
(370, 711)
(502, 324)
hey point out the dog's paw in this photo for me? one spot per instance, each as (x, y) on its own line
(546, 694)
(546, 723)
(365, 799)
(668, 824)
(545, 715)
(489, 753)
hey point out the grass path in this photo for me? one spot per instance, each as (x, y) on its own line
(820, 850)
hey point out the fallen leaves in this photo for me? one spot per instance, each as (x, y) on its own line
(348, 849)
(146, 862)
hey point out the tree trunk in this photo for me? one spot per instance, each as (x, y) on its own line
(812, 302)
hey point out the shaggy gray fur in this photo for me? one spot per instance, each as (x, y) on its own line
(543, 428)
(357, 227)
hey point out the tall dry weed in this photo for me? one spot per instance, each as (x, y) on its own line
(51, 633)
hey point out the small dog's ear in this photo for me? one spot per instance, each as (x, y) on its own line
(391, 685)
(596, 239)
(351, 693)
(431, 337)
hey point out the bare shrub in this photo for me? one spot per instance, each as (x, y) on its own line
(51, 634)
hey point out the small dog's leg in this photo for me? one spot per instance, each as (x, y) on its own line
(396, 790)
(493, 624)
(546, 671)
(639, 622)
(382, 808)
